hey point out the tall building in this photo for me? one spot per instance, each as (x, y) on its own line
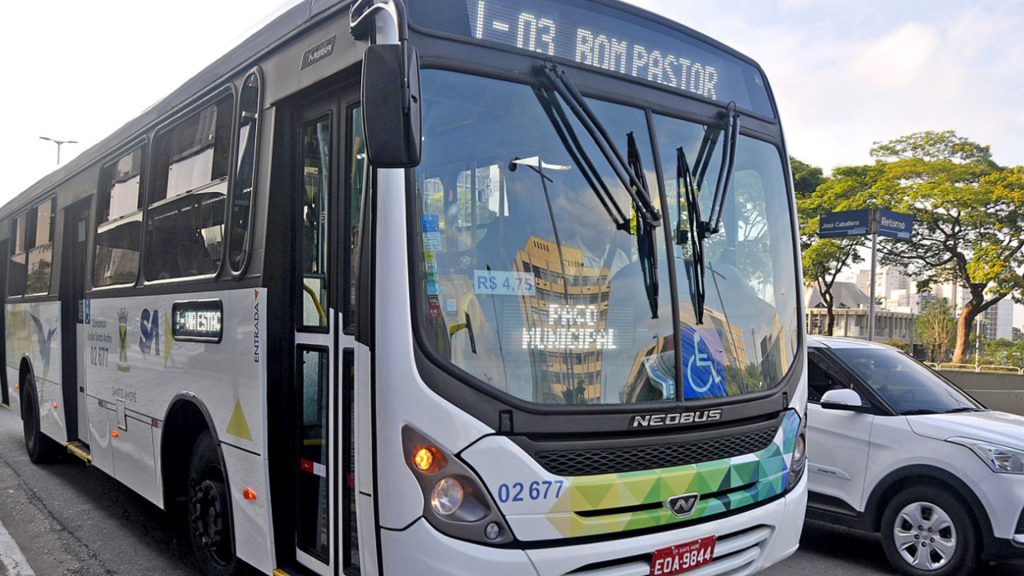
(996, 322)
(893, 288)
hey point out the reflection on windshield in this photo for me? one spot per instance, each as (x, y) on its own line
(906, 386)
(532, 288)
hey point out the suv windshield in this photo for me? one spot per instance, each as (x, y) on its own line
(907, 386)
(530, 283)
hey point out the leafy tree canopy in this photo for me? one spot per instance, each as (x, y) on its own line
(969, 217)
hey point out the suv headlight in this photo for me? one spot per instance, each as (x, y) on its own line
(1001, 459)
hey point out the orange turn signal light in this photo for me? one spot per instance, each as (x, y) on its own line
(114, 434)
(55, 405)
(248, 493)
(428, 459)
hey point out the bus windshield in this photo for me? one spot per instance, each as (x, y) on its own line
(532, 284)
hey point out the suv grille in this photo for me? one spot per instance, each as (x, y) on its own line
(614, 460)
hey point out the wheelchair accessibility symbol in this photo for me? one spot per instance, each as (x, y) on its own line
(705, 372)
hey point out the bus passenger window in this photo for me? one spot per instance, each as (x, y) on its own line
(119, 221)
(16, 271)
(356, 196)
(185, 221)
(40, 256)
(245, 173)
(316, 153)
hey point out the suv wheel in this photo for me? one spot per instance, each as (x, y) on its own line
(928, 532)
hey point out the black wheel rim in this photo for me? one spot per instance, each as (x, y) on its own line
(209, 521)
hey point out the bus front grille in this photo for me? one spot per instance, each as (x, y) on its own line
(632, 459)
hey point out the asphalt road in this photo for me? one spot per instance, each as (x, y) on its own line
(73, 520)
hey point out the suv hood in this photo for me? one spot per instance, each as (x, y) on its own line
(989, 426)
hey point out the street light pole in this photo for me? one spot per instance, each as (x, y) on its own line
(59, 143)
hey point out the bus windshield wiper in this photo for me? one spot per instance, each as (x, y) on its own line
(731, 132)
(634, 185)
(645, 238)
(571, 142)
(695, 233)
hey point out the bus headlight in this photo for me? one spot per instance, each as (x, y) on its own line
(447, 496)
(455, 500)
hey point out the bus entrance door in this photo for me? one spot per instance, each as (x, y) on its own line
(327, 201)
(74, 313)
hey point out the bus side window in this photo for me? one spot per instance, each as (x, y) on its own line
(40, 256)
(353, 225)
(245, 173)
(119, 221)
(16, 271)
(185, 220)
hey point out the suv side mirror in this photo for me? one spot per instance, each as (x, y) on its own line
(842, 399)
(392, 117)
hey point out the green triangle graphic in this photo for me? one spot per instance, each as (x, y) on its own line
(238, 426)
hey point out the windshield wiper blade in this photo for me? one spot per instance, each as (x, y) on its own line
(731, 132)
(960, 409)
(695, 234)
(917, 412)
(571, 142)
(634, 186)
(645, 238)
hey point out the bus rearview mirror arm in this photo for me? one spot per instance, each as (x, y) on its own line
(392, 118)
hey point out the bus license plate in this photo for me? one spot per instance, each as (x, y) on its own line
(683, 557)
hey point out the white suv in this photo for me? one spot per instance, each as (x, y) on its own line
(895, 448)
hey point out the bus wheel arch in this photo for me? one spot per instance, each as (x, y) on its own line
(189, 429)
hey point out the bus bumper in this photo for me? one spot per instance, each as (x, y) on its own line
(747, 543)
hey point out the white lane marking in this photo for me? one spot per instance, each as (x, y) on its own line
(11, 556)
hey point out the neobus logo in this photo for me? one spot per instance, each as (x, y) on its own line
(675, 418)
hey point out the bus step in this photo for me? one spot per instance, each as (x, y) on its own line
(80, 450)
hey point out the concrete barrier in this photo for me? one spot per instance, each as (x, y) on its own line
(1003, 392)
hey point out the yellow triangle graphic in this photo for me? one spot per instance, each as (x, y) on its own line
(238, 426)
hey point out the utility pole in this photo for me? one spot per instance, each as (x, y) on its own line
(59, 143)
(874, 270)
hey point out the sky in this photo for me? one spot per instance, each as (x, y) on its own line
(845, 74)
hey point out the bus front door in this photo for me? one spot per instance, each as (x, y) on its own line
(329, 359)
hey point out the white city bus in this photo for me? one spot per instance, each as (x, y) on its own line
(432, 287)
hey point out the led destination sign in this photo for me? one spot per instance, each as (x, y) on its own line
(199, 321)
(598, 36)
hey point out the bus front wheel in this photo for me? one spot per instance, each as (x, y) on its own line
(209, 512)
(40, 448)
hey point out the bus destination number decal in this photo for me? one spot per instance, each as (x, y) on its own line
(530, 492)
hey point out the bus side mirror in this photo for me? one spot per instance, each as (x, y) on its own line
(392, 118)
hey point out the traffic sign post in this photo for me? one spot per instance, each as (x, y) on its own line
(873, 222)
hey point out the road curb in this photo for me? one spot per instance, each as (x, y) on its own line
(11, 557)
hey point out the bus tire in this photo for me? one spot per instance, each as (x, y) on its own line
(40, 447)
(208, 512)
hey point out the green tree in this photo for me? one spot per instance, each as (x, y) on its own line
(806, 178)
(1004, 353)
(825, 258)
(969, 216)
(936, 329)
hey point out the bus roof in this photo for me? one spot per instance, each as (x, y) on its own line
(266, 38)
